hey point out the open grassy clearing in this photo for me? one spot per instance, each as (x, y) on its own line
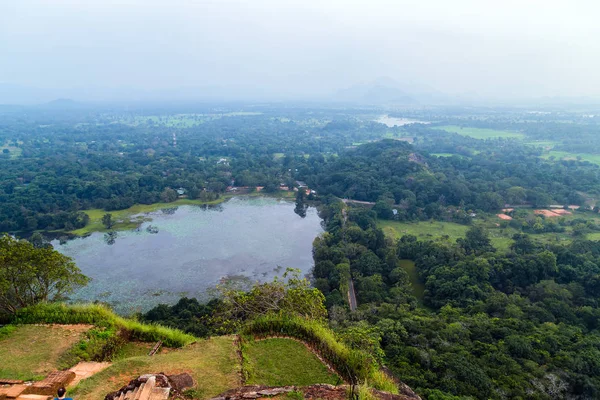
(449, 155)
(481, 133)
(133, 349)
(424, 229)
(500, 236)
(546, 144)
(564, 155)
(30, 352)
(213, 363)
(278, 362)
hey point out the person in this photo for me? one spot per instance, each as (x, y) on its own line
(62, 392)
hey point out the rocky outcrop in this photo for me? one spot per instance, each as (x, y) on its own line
(181, 382)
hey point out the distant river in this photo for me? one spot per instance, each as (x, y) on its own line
(193, 248)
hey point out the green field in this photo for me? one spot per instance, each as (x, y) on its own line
(546, 144)
(481, 133)
(30, 352)
(431, 230)
(500, 236)
(423, 230)
(279, 362)
(447, 155)
(564, 155)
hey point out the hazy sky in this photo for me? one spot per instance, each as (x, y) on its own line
(495, 48)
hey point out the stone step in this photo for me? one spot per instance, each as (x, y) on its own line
(159, 393)
(147, 390)
(15, 391)
(139, 391)
(132, 393)
(49, 385)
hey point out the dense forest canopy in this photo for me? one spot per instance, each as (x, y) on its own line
(59, 162)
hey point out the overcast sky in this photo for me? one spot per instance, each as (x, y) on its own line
(495, 48)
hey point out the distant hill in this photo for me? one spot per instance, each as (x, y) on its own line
(386, 91)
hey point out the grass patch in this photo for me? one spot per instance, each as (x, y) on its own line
(501, 238)
(546, 144)
(282, 362)
(481, 133)
(277, 156)
(451, 155)
(352, 364)
(444, 154)
(564, 155)
(423, 230)
(133, 349)
(213, 364)
(101, 316)
(30, 352)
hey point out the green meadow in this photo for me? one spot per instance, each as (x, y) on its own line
(481, 133)
(564, 155)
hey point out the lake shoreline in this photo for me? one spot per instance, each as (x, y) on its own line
(187, 250)
(134, 216)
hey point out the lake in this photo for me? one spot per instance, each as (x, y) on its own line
(391, 121)
(187, 250)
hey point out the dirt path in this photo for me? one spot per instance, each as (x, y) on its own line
(85, 369)
(352, 296)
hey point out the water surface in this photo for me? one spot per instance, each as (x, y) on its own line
(196, 247)
(391, 121)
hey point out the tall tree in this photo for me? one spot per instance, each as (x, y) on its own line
(29, 275)
(107, 220)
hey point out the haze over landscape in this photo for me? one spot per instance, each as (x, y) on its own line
(426, 51)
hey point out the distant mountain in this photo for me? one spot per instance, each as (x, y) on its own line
(388, 91)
